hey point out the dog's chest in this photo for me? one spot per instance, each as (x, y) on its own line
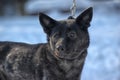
(65, 65)
(68, 65)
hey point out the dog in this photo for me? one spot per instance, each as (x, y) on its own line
(61, 58)
(3, 76)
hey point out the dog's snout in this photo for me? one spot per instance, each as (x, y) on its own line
(60, 45)
(61, 48)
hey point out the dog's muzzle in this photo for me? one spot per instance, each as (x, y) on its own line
(60, 48)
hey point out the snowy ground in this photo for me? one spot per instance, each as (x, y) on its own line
(103, 60)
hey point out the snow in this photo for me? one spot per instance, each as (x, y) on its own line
(103, 60)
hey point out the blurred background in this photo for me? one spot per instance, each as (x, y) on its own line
(19, 22)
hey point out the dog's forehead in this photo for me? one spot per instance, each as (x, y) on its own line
(68, 22)
(67, 25)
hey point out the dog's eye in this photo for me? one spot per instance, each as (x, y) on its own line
(56, 35)
(72, 34)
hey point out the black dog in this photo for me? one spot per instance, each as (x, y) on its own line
(3, 76)
(62, 58)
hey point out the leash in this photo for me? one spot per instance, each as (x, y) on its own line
(73, 10)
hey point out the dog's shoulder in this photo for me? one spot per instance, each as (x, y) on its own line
(41, 53)
(20, 51)
(16, 48)
(11, 45)
(22, 56)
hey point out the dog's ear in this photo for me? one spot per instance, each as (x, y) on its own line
(47, 23)
(85, 18)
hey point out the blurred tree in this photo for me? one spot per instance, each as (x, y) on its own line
(12, 7)
(20, 6)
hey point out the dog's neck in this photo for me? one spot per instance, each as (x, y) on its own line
(75, 65)
(70, 68)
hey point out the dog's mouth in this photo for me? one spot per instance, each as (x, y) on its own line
(69, 55)
(57, 53)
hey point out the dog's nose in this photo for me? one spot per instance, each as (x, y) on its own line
(61, 48)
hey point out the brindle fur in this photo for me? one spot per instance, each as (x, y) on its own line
(62, 58)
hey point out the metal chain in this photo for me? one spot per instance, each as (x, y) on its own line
(73, 8)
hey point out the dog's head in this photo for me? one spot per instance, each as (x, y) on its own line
(67, 38)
